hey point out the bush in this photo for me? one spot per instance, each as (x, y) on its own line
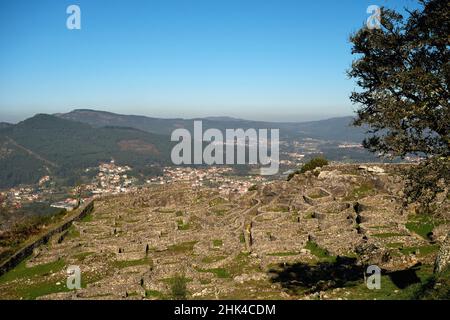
(178, 287)
(313, 164)
(309, 166)
(291, 175)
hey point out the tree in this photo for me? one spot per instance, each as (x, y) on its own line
(403, 71)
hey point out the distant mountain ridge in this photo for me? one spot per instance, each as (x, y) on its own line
(334, 129)
(5, 125)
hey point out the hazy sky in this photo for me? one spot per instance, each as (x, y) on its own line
(266, 59)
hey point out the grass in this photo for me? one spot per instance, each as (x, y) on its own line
(421, 251)
(394, 245)
(422, 224)
(241, 264)
(435, 287)
(82, 255)
(360, 191)
(282, 254)
(182, 247)
(30, 283)
(21, 271)
(155, 294)
(218, 272)
(217, 243)
(319, 252)
(388, 235)
(87, 218)
(241, 237)
(389, 291)
(309, 215)
(72, 233)
(183, 226)
(378, 227)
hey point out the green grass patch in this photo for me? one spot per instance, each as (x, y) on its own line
(21, 271)
(388, 235)
(155, 294)
(87, 218)
(82, 255)
(420, 251)
(422, 224)
(361, 191)
(309, 215)
(218, 272)
(389, 291)
(319, 252)
(378, 227)
(282, 254)
(182, 247)
(72, 233)
(241, 264)
(394, 245)
(183, 226)
(217, 243)
(32, 282)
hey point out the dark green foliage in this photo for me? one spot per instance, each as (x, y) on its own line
(291, 175)
(178, 287)
(17, 166)
(403, 71)
(66, 148)
(313, 164)
(309, 166)
(426, 180)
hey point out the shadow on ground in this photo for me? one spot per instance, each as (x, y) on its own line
(305, 278)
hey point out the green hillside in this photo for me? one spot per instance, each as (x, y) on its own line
(46, 143)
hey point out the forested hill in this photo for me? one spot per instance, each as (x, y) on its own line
(48, 144)
(334, 129)
(4, 125)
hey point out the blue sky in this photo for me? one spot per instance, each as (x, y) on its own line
(281, 60)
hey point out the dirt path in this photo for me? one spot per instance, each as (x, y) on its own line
(32, 153)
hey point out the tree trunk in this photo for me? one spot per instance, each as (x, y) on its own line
(443, 257)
